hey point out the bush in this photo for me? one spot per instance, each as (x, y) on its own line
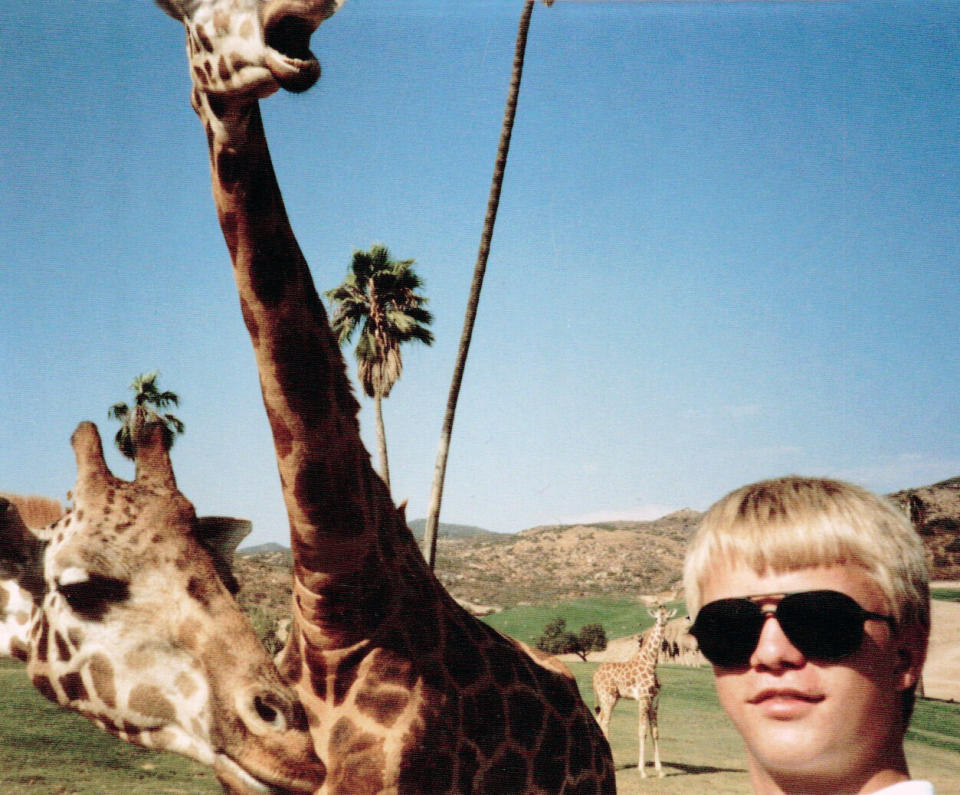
(557, 639)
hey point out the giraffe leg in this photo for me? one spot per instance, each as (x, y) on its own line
(642, 710)
(655, 734)
(607, 701)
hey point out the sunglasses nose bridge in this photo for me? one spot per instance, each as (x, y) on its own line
(774, 648)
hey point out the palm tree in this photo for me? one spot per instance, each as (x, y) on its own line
(148, 404)
(493, 202)
(380, 295)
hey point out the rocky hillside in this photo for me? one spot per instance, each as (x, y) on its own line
(543, 565)
(546, 564)
(935, 512)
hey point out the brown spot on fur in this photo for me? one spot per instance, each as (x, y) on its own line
(43, 685)
(282, 438)
(137, 659)
(149, 700)
(75, 636)
(200, 591)
(222, 69)
(73, 687)
(204, 39)
(42, 651)
(201, 77)
(101, 674)
(362, 759)
(4, 599)
(188, 634)
(19, 650)
(62, 651)
(186, 685)
(384, 705)
(252, 327)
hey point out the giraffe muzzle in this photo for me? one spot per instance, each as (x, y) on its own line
(288, 55)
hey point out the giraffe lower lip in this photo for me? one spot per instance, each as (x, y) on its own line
(236, 779)
(291, 73)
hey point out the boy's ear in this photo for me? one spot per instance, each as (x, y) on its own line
(911, 651)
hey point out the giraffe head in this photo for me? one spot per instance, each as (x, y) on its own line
(251, 47)
(133, 624)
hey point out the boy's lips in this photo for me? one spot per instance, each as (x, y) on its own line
(785, 703)
(784, 694)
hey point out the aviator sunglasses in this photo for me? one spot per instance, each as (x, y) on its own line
(822, 625)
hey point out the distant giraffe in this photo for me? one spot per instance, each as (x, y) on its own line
(637, 679)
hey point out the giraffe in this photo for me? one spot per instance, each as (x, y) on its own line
(404, 690)
(636, 678)
(131, 622)
(16, 603)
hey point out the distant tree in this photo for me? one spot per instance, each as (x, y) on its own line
(379, 294)
(593, 637)
(148, 405)
(557, 639)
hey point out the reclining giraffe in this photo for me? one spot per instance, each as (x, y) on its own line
(130, 621)
(402, 690)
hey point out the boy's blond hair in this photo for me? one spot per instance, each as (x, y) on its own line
(793, 522)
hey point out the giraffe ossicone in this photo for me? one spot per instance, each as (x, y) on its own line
(122, 610)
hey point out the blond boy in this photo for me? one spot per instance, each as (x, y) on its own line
(812, 603)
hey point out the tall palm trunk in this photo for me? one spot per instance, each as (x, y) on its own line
(440, 468)
(382, 441)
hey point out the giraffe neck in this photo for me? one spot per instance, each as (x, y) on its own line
(335, 501)
(650, 651)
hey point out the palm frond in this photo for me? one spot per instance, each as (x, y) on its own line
(118, 411)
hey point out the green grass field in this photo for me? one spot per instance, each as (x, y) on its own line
(619, 617)
(47, 751)
(946, 594)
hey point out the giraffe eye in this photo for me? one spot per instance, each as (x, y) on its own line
(92, 598)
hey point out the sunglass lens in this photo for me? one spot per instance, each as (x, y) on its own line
(824, 625)
(727, 631)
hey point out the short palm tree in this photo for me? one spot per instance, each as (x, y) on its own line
(148, 405)
(380, 295)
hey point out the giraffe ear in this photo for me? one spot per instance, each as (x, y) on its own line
(220, 536)
(21, 552)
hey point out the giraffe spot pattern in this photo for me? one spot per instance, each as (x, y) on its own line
(19, 650)
(149, 700)
(382, 704)
(42, 683)
(62, 651)
(101, 675)
(73, 687)
(361, 759)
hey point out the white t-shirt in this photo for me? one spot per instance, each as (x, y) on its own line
(907, 788)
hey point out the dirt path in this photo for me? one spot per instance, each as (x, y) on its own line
(941, 675)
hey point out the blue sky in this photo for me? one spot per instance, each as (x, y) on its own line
(727, 246)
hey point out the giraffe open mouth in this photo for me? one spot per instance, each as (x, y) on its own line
(288, 55)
